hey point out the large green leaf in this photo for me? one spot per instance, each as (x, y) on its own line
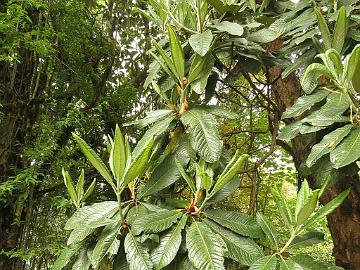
(283, 207)
(309, 80)
(205, 248)
(325, 32)
(136, 255)
(203, 129)
(229, 173)
(348, 150)
(302, 197)
(306, 262)
(265, 263)
(264, 35)
(152, 117)
(165, 174)
(352, 67)
(79, 234)
(304, 103)
(65, 256)
(236, 221)
(340, 30)
(186, 177)
(105, 240)
(327, 144)
(307, 240)
(91, 214)
(290, 131)
(156, 222)
(138, 165)
(308, 208)
(201, 42)
(94, 159)
(169, 245)
(220, 111)
(241, 249)
(267, 228)
(69, 185)
(289, 264)
(327, 208)
(230, 27)
(323, 120)
(156, 130)
(118, 155)
(169, 66)
(80, 185)
(83, 261)
(177, 53)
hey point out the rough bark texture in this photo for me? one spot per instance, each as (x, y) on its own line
(344, 222)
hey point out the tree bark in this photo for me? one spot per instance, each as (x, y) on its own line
(344, 222)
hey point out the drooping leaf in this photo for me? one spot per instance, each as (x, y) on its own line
(327, 208)
(308, 263)
(156, 130)
(220, 111)
(156, 222)
(303, 104)
(165, 174)
(136, 254)
(203, 129)
(264, 36)
(323, 120)
(301, 61)
(169, 245)
(79, 234)
(307, 240)
(201, 42)
(241, 249)
(327, 144)
(236, 221)
(65, 256)
(265, 263)
(200, 67)
(347, 151)
(309, 80)
(105, 240)
(152, 117)
(83, 261)
(229, 174)
(290, 131)
(267, 228)
(230, 27)
(94, 159)
(205, 248)
(92, 213)
(289, 264)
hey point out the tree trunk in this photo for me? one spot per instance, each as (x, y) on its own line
(344, 222)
